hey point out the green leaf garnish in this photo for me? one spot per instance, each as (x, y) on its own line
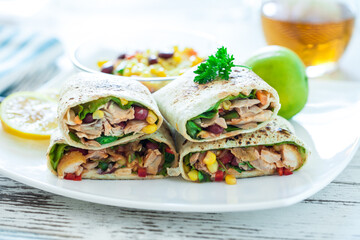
(223, 166)
(106, 139)
(131, 157)
(169, 159)
(103, 165)
(203, 177)
(250, 166)
(74, 137)
(238, 169)
(193, 129)
(56, 153)
(90, 107)
(216, 67)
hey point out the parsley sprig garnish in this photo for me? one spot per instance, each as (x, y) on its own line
(216, 67)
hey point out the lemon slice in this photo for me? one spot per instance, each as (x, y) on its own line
(29, 115)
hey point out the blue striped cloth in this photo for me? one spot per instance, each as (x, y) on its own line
(24, 52)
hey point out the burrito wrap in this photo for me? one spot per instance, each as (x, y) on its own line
(161, 136)
(183, 99)
(85, 87)
(277, 131)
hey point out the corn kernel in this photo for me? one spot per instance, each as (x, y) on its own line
(101, 63)
(153, 71)
(122, 160)
(213, 167)
(151, 117)
(149, 129)
(230, 179)
(161, 74)
(226, 105)
(177, 57)
(210, 158)
(196, 61)
(127, 72)
(123, 101)
(193, 175)
(77, 120)
(98, 114)
(138, 56)
(186, 169)
(176, 48)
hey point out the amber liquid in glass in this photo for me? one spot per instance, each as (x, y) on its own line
(315, 43)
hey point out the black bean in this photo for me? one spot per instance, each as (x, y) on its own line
(215, 129)
(166, 55)
(88, 118)
(107, 68)
(152, 60)
(122, 56)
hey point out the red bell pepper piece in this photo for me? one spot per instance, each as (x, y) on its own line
(284, 171)
(219, 176)
(287, 172)
(72, 176)
(142, 172)
(168, 150)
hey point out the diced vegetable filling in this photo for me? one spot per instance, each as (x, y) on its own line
(145, 157)
(108, 119)
(152, 63)
(217, 165)
(232, 113)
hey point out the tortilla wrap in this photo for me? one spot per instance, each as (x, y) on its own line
(85, 87)
(183, 99)
(160, 136)
(274, 133)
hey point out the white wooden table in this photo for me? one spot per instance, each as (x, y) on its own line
(29, 213)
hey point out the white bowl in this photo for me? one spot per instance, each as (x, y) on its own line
(87, 54)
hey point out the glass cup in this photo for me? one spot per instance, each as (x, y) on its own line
(317, 30)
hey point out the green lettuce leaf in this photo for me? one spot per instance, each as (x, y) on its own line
(90, 107)
(193, 129)
(74, 137)
(204, 177)
(106, 139)
(231, 128)
(169, 159)
(56, 153)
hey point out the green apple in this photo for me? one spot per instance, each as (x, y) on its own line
(282, 69)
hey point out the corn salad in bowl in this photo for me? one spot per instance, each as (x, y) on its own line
(153, 60)
(150, 63)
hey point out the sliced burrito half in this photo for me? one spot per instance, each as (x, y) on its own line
(98, 110)
(219, 109)
(273, 149)
(149, 157)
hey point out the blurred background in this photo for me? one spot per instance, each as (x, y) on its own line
(235, 23)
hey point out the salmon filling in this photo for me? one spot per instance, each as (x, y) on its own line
(143, 158)
(108, 119)
(232, 113)
(214, 165)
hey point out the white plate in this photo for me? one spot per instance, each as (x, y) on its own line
(329, 125)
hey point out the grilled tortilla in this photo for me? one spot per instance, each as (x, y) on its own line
(149, 157)
(267, 151)
(219, 109)
(98, 111)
